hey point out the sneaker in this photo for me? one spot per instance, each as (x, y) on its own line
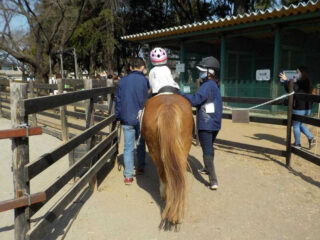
(312, 142)
(203, 171)
(298, 146)
(140, 171)
(128, 181)
(213, 186)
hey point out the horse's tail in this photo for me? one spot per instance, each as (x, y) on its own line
(174, 161)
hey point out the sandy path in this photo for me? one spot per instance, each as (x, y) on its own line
(258, 197)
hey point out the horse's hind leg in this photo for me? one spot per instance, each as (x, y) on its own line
(162, 176)
(163, 189)
(163, 180)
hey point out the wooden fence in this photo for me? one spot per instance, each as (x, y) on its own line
(105, 150)
(86, 168)
(66, 85)
(307, 155)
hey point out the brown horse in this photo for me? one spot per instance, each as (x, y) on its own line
(167, 129)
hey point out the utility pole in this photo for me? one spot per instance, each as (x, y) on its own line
(61, 63)
(75, 64)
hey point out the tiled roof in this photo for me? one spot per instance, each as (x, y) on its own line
(301, 8)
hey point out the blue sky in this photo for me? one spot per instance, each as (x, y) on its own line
(19, 23)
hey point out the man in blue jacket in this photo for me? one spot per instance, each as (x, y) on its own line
(132, 93)
(209, 105)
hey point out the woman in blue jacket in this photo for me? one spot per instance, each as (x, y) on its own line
(209, 105)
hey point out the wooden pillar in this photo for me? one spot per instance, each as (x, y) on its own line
(289, 124)
(63, 116)
(34, 115)
(88, 83)
(20, 157)
(276, 66)
(223, 57)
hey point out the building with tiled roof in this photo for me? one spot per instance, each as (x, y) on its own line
(272, 40)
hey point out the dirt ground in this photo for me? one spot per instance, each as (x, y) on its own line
(258, 197)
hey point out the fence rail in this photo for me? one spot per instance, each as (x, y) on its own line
(279, 121)
(99, 152)
(102, 153)
(30, 106)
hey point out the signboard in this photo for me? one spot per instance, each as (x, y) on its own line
(263, 75)
(290, 74)
(180, 67)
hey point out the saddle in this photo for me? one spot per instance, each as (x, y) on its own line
(167, 89)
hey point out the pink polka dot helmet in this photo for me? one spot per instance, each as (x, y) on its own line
(158, 56)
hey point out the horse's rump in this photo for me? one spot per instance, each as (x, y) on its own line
(167, 129)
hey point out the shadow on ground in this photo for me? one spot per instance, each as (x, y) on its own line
(61, 225)
(269, 137)
(266, 157)
(195, 165)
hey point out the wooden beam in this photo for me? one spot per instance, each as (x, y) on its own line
(74, 169)
(306, 155)
(42, 227)
(56, 116)
(20, 132)
(47, 102)
(306, 119)
(72, 114)
(45, 86)
(22, 201)
(34, 168)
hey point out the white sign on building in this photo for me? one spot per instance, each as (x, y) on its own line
(263, 75)
(180, 67)
(290, 74)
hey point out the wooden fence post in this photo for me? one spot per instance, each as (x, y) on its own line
(63, 116)
(89, 109)
(289, 123)
(88, 84)
(0, 104)
(20, 153)
(34, 115)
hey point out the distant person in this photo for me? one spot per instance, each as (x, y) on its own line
(116, 79)
(208, 101)
(110, 81)
(300, 107)
(132, 92)
(160, 75)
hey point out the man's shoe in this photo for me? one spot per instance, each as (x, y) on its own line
(213, 186)
(128, 181)
(203, 171)
(298, 146)
(140, 171)
(312, 142)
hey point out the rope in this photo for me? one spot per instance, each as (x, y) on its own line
(262, 104)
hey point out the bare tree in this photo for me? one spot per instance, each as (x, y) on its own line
(49, 26)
